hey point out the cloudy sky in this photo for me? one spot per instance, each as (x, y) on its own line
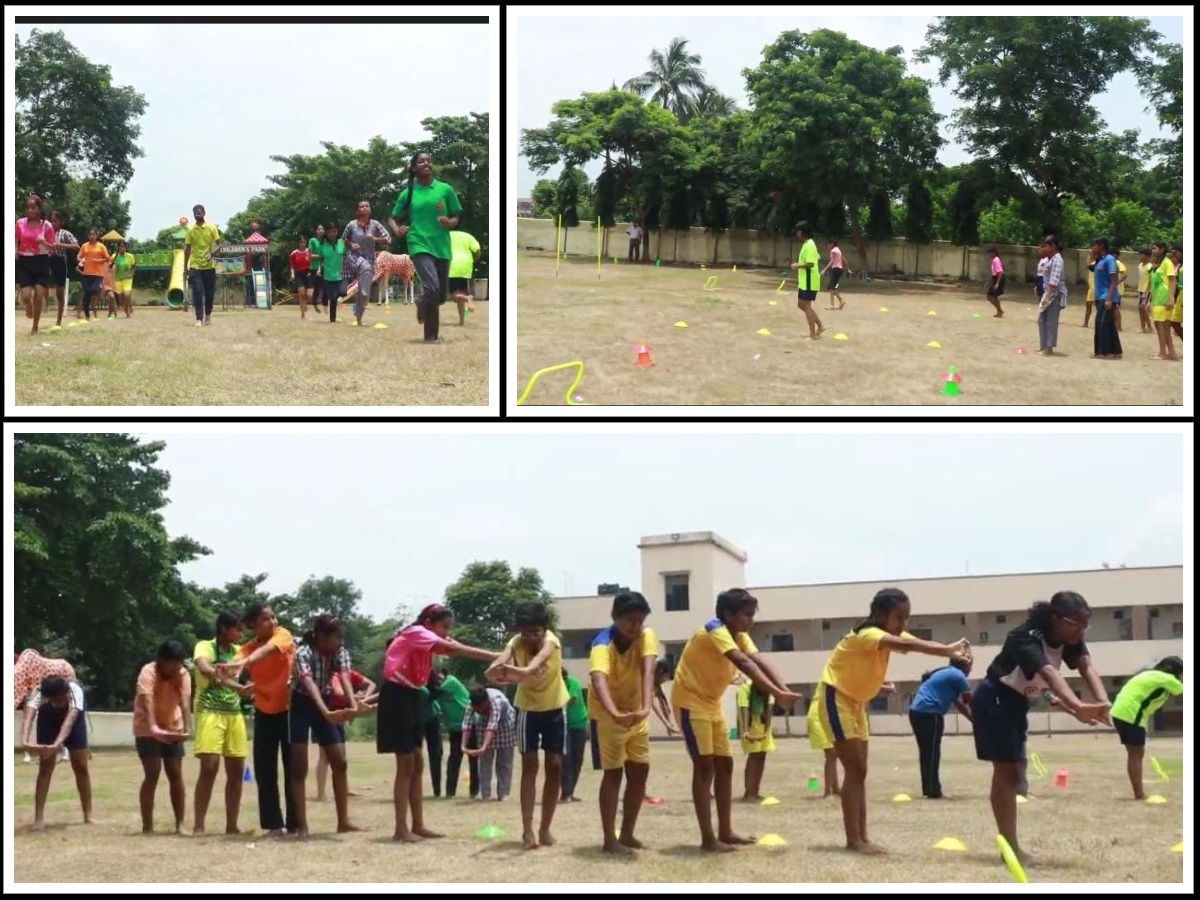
(551, 68)
(401, 515)
(304, 84)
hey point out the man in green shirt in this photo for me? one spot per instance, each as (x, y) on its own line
(810, 278)
(453, 698)
(577, 735)
(424, 213)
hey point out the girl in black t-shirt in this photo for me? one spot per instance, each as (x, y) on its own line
(1028, 664)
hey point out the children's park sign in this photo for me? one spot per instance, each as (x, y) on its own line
(240, 248)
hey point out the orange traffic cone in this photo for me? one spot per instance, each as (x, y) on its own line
(643, 354)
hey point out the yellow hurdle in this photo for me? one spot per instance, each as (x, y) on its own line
(779, 290)
(711, 284)
(570, 391)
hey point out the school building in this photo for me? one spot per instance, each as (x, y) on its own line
(1137, 618)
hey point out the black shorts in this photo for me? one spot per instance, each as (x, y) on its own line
(149, 748)
(460, 285)
(545, 730)
(92, 283)
(1000, 721)
(58, 270)
(399, 720)
(49, 723)
(1131, 735)
(835, 275)
(33, 271)
(304, 717)
(807, 296)
(998, 290)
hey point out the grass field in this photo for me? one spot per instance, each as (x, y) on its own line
(1090, 832)
(252, 358)
(719, 359)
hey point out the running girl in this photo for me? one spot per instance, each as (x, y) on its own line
(35, 240)
(855, 673)
(93, 263)
(810, 278)
(1138, 700)
(315, 282)
(996, 284)
(835, 267)
(1027, 664)
(124, 265)
(301, 262)
(64, 243)
(333, 252)
(406, 669)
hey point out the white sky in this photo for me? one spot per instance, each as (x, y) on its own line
(345, 83)
(560, 58)
(402, 514)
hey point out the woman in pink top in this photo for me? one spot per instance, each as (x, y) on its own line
(406, 669)
(996, 283)
(835, 267)
(35, 240)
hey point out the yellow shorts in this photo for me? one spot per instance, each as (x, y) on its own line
(840, 718)
(1177, 312)
(1160, 314)
(764, 744)
(613, 746)
(705, 734)
(817, 738)
(220, 733)
(124, 287)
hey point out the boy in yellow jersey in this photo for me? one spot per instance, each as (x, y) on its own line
(622, 665)
(855, 673)
(707, 667)
(533, 661)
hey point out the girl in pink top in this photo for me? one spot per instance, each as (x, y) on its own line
(996, 284)
(35, 240)
(406, 668)
(835, 267)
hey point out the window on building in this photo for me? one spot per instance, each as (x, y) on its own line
(1118, 681)
(983, 637)
(1118, 613)
(1125, 630)
(676, 590)
(1176, 629)
(962, 620)
(924, 634)
(1154, 612)
(1001, 619)
(781, 643)
(879, 704)
(824, 624)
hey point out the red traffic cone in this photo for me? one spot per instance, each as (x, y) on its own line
(1061, 777)
(643, 354)
(1021, 351)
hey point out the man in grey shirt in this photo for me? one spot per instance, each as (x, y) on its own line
(361, 236)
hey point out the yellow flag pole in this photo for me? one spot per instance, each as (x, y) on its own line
(558, 245)
(598, 241)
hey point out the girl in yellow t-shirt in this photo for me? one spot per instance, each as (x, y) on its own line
(754, 708)
(1162, 292)
(1177, 309)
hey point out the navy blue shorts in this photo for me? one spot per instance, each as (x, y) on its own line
(49, 723)
(807, 296)
(305, 717)
(152, 748)
(545, 730)
(1000, 721)
(1131, 735)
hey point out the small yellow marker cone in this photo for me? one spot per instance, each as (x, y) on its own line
(902, 798)
(931, 313)
(735, 267)
(1022, 799)
(771, 840)
(934, 344)
(56, 327)
(883, 309)
(841, 337)
(765, 331)
(72, 324)
(1010, 860)
(1156, 798)
(772, 303)
(354, 323)
(1178, 848)
(770, 801)
(379, 325)
(949, 843)
(681, 324)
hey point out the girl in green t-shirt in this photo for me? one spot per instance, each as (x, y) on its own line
(333, 251)
(124, 264)
(424, 213)
(316, 287)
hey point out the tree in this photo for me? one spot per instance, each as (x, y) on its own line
(917, 224)
(1027, 95)
(673, 79)
(879, 218)
(484, 601)
(1128, 224)
(337, 596)
(94, 568)
(835, 120)
(1162, 82)
(710, 103)
(545, 199)
(89, 204)
(1006, 223)
(70, 119)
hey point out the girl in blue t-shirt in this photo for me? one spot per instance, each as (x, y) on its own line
(939, 690)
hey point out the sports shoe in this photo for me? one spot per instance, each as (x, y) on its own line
(198, 323)
(208, 320)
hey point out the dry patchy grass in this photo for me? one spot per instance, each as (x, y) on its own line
(253, 358)
(1090, 832)
(720, 360)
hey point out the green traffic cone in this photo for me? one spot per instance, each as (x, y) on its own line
(951, 389)
(814, 783)
(658, 262)
(614, 260)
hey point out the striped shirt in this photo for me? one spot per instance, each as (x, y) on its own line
(64, 237)
(1056, 274)
(320, 668)
(502, 720)
(74, 697)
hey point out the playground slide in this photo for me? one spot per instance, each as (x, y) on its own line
(175, 289)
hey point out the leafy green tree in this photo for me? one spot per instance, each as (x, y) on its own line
(94, 568)
(1129, 224)
(89, 204)
(710, 103)
(835, 120)
(673, 79)
(917, 224)
(545, 199)
(71, 119)
(1079, 225)
(484, 600)
(1027, 93)
(1162, 82)
(879, 217)
(1006, 223)
(336, 596)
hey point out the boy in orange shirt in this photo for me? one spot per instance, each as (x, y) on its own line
(162, 719)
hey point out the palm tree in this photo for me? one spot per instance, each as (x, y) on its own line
(672, 78)
(709, 103)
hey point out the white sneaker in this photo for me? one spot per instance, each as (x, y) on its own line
(198, 323)
(27, 759)
(208, 320)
